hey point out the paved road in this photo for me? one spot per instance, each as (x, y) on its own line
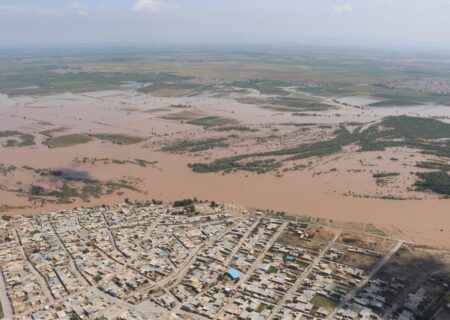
(123, 304)
(184, 267)
(94, 290)
(177, 309)
(182, 272)
(356, 289)
(108, 256)
(302, 277)
(72, 264)
(241, 241)
(255, 264)
(42, 282)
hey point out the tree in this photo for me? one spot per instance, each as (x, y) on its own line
(37, 190)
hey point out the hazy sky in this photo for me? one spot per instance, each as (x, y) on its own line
(397, 23)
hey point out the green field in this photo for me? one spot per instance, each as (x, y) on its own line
(212, 121)
(235, 128)
(121, 139)
(288, 104)
(396, 131)
(182, 115)
(197, 145)
(17, 139)
(79, 189)
(380, 175)
(68, 140)
(434, 165)
(437, 181)
(6, 169)
(394, 103)
(324, 73)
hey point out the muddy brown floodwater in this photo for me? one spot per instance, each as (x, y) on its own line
(298, 192)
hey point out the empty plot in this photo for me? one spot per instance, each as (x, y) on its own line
(366, 242)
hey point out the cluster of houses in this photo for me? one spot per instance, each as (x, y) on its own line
(136, 261)
(22, 286)
(85, 305)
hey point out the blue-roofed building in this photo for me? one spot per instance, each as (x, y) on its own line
(234, 274)
(289, 258)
